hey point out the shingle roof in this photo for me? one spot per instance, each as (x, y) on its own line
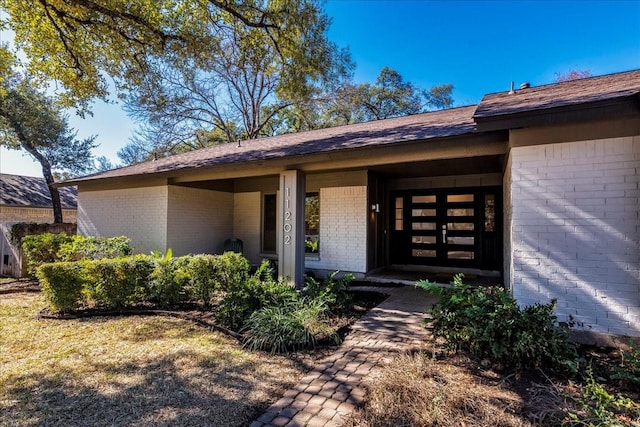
(439, 124)
(565, 94)
(27, 191)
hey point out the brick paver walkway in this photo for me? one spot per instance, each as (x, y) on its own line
(331, 391)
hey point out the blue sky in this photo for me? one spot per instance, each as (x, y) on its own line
(478, 46)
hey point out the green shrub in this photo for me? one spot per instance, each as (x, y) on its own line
(119, 282)
(334, 293)
(49, 247)
(168, 280)
(292, 326)
(260, 290)
(62, 285)
(204, 278)
(232, 270)
(43, 248)
(82, 247)
(488, 323)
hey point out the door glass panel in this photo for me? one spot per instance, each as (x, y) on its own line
(423, 253)
(423, 239)
(489, 213)
(460, 212)
(453, 198)
(423, 212)
(399, 213)
(423, 199)
(423, 226)
(462, 226)
(461, 240)
(460, 255)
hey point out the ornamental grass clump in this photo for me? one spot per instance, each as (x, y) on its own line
(293, 326)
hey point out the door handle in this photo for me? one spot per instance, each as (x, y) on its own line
(444, 233)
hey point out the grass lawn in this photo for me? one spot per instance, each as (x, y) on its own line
(143, 371)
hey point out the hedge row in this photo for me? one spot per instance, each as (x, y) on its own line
(48, 247)
(127, 281)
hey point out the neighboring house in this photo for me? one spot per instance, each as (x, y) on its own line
(539, 185)
(26, 199)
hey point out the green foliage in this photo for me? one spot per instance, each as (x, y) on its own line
(332, 291)
(49, 247)
(168, 280)
(488, 323)
(285, 327)
(82, 247)
(127, 281)
(119, 282)
(260, 290)
(62, 285)
(601, 408)
(628, 371)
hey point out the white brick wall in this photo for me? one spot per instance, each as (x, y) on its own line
(247, 223)
(343, 230)
(198, 221)
(139, 213)
(575, 230)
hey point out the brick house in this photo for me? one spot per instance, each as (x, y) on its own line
(539, 186)
(26, 199)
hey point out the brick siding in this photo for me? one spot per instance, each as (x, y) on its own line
(343, 230)
(575, 230)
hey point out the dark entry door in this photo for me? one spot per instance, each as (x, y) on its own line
(447, 227)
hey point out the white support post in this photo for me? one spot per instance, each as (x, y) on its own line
(291, 227)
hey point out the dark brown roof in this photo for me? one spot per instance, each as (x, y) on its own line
(28, 191)
(419, 127)
(556, 95)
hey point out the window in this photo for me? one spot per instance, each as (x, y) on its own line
(269, 223)
(312, 223)
(311, 219)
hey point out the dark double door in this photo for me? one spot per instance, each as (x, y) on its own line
(447, 227)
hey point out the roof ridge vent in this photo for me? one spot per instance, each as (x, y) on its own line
(525, 85)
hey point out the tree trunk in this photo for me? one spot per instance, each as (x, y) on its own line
(48, 176)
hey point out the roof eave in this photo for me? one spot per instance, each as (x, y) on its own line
(597, 110)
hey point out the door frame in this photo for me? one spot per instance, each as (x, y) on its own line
(428, 241)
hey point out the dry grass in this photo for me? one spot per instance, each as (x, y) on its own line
(416, 390)
(143, 371)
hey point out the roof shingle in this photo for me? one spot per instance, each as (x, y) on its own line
(28, 191)
(574, 92)
(439, 124)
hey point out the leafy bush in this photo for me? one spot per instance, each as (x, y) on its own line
(49, 247)
(62, 285)
(42, 248)
(119, 282)
(488, 323)
(232, 269)
(168, 280)
(331, 291)
(258, 291)
(292, 326)
(82, 247)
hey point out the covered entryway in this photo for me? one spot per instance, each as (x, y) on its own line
(455, 227)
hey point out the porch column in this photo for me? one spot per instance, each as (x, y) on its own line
(291, 227)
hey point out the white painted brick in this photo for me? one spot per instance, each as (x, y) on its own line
(343, 230)
(139, 213)
(575, 209)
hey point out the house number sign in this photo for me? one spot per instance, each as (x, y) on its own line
(286, 226)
